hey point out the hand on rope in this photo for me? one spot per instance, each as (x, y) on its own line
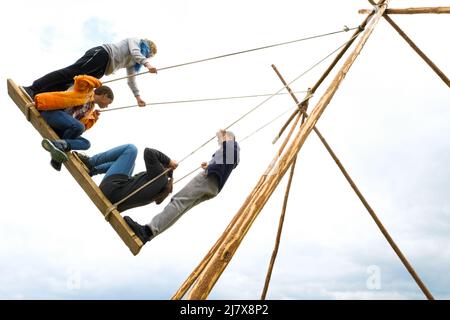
(141, 103)
(150, 68)
(96, 114)
(173, 164)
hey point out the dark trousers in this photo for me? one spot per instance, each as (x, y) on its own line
(93, 63)
(120, 184)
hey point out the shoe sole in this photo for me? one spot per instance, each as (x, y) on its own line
(26, 93)
(56, 154)
(58, 168)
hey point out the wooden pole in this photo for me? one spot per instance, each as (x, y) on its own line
(372, 213)
(383, 230)
(304, 107)
(416, 49)
(428, 61)
(224, 254)
(279, 231)
(436, 10)
(327, 72)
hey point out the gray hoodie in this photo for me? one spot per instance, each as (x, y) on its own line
(125, 54)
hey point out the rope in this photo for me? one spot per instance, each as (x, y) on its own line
(187, 175)
(265, 125)
(233, 123)
(199, 269)
(242, 140)
(275, 119)
(345, 29)
(140, 188)
(271, 96)
(191, 172)
(198, 100)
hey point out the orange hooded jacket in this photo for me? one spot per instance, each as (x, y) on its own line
(83, 92)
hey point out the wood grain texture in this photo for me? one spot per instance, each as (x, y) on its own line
(422, 10)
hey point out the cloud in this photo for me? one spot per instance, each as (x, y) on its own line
(97, 31)
(388, 125)
(47, 36)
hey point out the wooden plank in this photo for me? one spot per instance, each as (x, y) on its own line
(224, 254)
(77, 170)
(422, 10)
(28, 109)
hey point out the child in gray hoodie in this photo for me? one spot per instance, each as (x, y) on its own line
(206, 185)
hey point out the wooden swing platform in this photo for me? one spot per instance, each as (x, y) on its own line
(77, 170)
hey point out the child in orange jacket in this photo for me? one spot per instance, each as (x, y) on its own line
(70, 113)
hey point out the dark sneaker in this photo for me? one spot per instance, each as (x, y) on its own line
(143, 232)
(28, 93)
(57, 154)
(84, 159)
(56, 165)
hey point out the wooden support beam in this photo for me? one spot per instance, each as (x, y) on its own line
(224, 254)
(372, 213)
(77, 171)
(435, 10)
(199, 269)
(303, 108)
(279, 231)
(326, 73)
(416, 48)
(425, 58)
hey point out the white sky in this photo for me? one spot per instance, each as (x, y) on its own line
(388, 123)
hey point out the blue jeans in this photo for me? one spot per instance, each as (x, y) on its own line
(119, 160)
(67, 128)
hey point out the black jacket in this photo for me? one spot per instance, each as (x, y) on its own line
(118, 186)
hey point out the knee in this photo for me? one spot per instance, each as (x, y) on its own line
(44, 114)
(131, 148)
(77, 129)
(87, 143)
